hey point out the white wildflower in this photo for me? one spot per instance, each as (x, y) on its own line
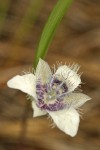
(54, 94)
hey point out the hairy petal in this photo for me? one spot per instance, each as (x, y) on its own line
(66, 120)
(43, 71)
(37, 111)
(25, 83)
(70, 76)
(76, 99)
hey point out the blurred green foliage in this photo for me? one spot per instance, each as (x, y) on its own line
(4, 6)
(18, 17)
(28, 20)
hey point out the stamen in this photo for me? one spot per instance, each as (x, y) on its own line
(51, 82)
(51, 95)
(60, 86)
(61, 95)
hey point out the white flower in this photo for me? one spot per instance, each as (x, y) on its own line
(54, 93)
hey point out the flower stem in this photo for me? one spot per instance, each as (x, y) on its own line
(54, 20)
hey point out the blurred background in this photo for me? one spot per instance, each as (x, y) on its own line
(77, 40)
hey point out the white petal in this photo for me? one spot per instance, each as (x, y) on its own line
(66, 120)
(37, 111)
(70, 75)
(76, 99)
(25, 83)
(43, 71)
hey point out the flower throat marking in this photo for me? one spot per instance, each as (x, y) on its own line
(51, 95)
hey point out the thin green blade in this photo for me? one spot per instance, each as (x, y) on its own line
(54, 20)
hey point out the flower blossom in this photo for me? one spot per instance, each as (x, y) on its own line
(54, 93)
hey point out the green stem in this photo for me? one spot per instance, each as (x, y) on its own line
(54, 20)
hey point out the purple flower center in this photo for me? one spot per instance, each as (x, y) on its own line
(51, 95)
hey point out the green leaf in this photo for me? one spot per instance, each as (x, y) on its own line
(54, 20)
